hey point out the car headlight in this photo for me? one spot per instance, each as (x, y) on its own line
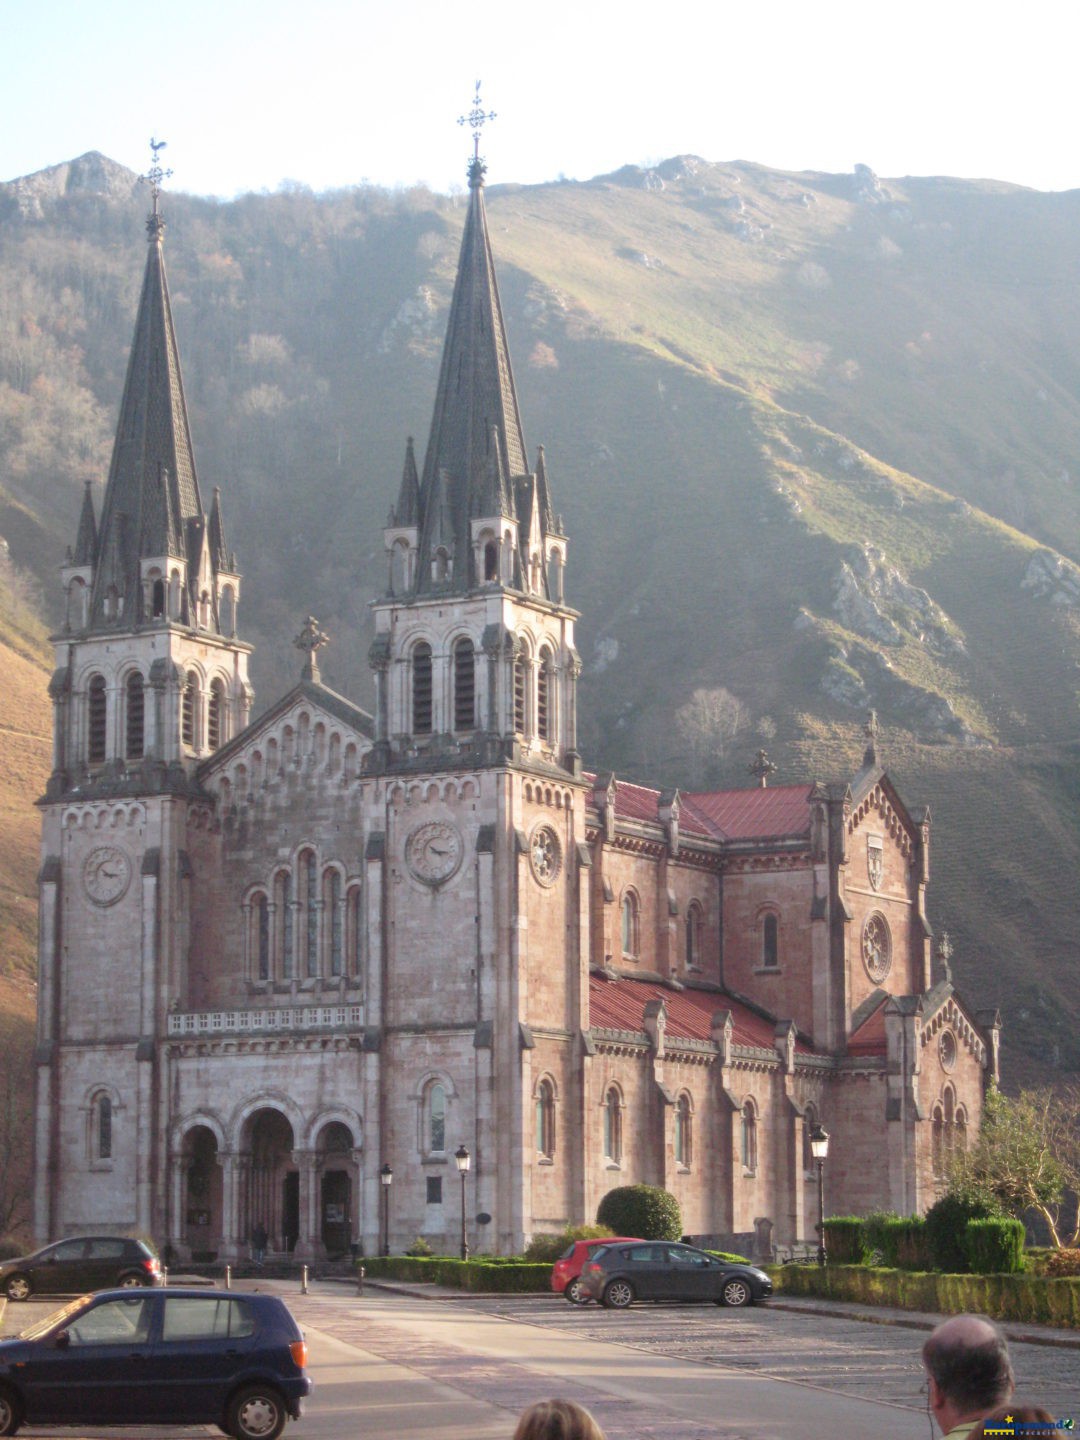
(758, 1274)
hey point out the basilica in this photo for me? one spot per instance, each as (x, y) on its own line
(357, 978)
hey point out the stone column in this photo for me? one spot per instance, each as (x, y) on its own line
(304, 1160)
(231, 1223)
(175, 1229)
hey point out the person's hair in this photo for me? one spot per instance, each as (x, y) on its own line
(970, 1375)
(1016, 1414)
(557, 1420)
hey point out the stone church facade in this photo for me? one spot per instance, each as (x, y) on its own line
(278, 956)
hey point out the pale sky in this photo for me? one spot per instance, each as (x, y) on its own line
(248, 93)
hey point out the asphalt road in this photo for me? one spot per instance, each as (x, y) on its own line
(391, 1366)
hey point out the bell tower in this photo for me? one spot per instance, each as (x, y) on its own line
(474, 653)
(150, 679)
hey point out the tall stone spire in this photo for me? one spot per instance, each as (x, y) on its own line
(152, 493)
(476, 440)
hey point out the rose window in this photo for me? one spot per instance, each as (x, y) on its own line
(876, 948)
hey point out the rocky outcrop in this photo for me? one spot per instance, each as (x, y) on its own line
(875, 599)
(867, 188)
(33, 197)
(1049, 576)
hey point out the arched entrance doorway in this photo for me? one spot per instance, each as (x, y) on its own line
(201, 1199)
(272, 1196)
(335, 1145)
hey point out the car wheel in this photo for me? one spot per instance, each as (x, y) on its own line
(10, 1413)
(132, 1282)
(736, 1292)
(618, 1294)
(18, 1287)
(574, 1292)
(256, 1413)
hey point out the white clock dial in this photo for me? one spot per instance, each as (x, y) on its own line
(434, 851)
(106, 874)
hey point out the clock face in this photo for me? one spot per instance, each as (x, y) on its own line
(106, 875)
(545, 856)
(433, 852)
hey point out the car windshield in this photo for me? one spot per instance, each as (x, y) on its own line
(35, 1332)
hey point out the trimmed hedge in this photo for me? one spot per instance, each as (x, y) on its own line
(643, 1210)
(994, 1246)
(550, 1247)
(945, 1222)
(495, 1274)
(1032, 1298)
(846, 1240)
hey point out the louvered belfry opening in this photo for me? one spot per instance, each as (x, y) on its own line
(421, 677)
(464, 685)
(97, 715)
(136, 714)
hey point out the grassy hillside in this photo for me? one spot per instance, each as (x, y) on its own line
(813, 437)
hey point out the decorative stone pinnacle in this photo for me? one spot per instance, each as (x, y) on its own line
(312, 639)
(476, 119)
(871, 731)
(944, 953)
(153, 177)
(761, 768)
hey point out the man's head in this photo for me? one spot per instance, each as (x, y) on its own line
(968, 1369)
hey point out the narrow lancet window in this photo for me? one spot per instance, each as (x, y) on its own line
(421, 687)
(97, 712)
(464, 685)
(135, 716)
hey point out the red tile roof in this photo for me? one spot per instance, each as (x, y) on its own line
(869, 1038)
(778, 811)
(620, 1005)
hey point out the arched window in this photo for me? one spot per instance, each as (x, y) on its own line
(215, 715)
(545, 1119)
(103, 1136)
(810, 1120)
(135, 717)
(545, 719)
(464, 685)
(491, 561)
(683, 1132)
(355, 936)
(630, 925)
(188, 704)
(521, 691)
(309, 917)
(693, 936)
(555, 577)
(436, 1118)
(97, 717)
(749, 1137)
(157, 599)
(613, 1126)
(335, 912)
(770, 941)
(440, 566)
(960, 1138)
(262, 937)
(284, 901)
(421, 689)
(937, 1143)
(227, 611)
(399, 568)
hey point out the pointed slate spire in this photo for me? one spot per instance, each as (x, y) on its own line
(152, 491)
(86, 545)
(219, 552)
(547, 517)
(407, 509)
(476, 395)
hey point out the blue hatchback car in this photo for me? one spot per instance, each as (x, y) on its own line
(158, 1357)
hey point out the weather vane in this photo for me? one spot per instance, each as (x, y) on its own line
(476, 119)
(154, 177)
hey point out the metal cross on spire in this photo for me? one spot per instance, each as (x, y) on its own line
(476, 119)
(153, 178)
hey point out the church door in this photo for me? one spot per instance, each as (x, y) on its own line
(336, 1210)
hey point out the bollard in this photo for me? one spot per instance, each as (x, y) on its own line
(360, 1280)
(228, 1277)
(165, 1275)
(303, 1280)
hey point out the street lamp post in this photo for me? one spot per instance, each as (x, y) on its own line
(462, 1159)
(386, 1175)
(819, 1149)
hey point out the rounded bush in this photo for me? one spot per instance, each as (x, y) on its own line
(945, 1225)
(642, 1210)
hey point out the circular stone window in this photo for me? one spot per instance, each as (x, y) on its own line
(876, 948)
(545, 854)
(947, 1049)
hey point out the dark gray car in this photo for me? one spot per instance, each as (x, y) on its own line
(71, 1267)
(617, 1275)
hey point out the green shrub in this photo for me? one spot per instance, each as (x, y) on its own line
(419, 1248)
(994, 1246)
(496, 1273)
(845, 1240)
(642, 1210)
(1061, 1263)
(945, 1222)
(732, 1259)
(548, 1248)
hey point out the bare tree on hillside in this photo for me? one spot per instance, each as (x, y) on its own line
(707, 724)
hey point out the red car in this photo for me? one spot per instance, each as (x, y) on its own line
(566, 1272)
